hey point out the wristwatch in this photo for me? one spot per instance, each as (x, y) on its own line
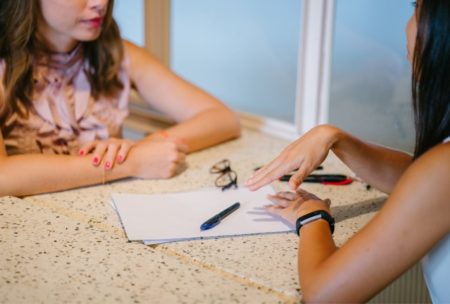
(314, 216)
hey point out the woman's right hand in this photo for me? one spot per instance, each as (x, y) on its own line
(292, 205)
(157, 159)
(306, 153)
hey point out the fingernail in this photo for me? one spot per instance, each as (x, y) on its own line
(95, 160)
(119, 158)
(107, 165)
(81, 153)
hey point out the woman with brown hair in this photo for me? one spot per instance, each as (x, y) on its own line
(414, 222)
(66, 76)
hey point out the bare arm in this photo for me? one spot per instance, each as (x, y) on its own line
(413, 220)
(381, 167)
(378, 166)
(39, 173)
(202, 120)
(31, 174)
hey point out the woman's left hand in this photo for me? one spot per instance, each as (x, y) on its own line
(292, 205)
(107, 152)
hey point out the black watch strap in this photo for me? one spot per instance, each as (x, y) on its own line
(314, 216)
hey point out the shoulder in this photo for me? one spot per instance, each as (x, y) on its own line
(139, 56)
(133, 49)
(436, 160)
(129, 46)
(141, 61)
(134, 52)
(428, 178)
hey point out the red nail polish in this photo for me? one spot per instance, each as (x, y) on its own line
(119, 158)
(95, 160)
(81, 153)
(107, 165)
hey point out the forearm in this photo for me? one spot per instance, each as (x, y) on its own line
(315, 246)
(207, 128)
(38, 173)
(378, 166)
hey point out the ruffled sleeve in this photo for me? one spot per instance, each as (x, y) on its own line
(64, 113)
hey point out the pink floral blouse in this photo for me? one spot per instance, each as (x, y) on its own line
(64, 115)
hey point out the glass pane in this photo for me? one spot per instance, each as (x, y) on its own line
(370, 83)
(243, 52)
(130, 17)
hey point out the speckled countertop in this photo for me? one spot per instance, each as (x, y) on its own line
(68, 247)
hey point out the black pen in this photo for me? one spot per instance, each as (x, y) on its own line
(220, 216)
(327, 179)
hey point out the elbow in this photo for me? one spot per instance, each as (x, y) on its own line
(235, 125)
(311, 297)
(317, 296)
(309, 294)
(317, 291)
(322, 291)
(3, 183)
(231, 124)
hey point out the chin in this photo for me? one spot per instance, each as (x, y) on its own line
(89, 36)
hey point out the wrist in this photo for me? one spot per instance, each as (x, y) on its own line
(314, 216)
(332, 134)
(312, 206)
(129, 167)
(336, 137)
(165, 135)
(160, 134)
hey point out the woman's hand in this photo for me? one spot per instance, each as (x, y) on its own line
(306, 153)
(292, 205)
(157, 159)
(107, 152)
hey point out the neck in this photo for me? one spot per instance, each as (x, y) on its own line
(56, 42)
(60, 47)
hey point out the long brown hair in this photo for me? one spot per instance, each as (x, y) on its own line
(18, 46)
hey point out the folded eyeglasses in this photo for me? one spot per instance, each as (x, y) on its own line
(227, 177)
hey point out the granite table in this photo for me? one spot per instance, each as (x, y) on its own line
(69, 247)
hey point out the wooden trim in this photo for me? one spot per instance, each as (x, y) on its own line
(157, 29)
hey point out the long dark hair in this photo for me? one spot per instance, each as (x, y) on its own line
(431, 75)
(19, 43)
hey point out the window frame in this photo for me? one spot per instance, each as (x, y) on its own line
(313, 70)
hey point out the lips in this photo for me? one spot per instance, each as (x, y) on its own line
(94, 22)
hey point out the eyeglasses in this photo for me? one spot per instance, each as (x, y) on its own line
(227, 178)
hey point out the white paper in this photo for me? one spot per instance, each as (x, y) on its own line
(159, 218)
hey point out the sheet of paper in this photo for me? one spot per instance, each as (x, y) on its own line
(169, 217)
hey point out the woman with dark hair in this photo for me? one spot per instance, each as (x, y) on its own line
(414, 222)
(65, 79)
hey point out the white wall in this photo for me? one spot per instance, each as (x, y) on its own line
(129, 14)
(370, 86)
(243, 52)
